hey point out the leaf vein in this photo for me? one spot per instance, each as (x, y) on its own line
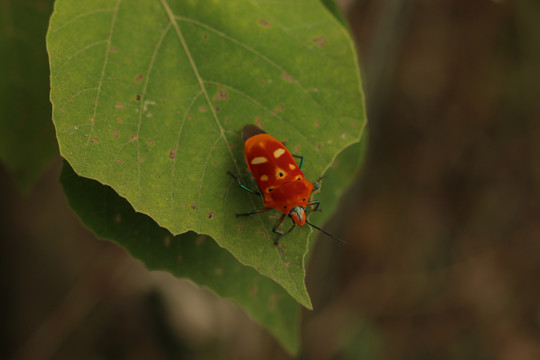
(142, 101)
(203, 173)
(178, 143)
(261, 105)
(80, 51)
(205, 92)
(172, 19)
(74, 19)
(70, 98)
(256, 53)
(102, 76)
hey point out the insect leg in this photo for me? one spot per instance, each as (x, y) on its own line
(278, 223)
(301, 166)
(253, 212)
(316, 203)
(317, 185)
(274, 229)
(237, 178)
(318, 181)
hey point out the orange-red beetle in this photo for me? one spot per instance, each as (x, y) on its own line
(280, 180)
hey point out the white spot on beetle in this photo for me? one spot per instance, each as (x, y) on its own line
(264, 178)
(259, 160)
(292, 166)
(279, 152)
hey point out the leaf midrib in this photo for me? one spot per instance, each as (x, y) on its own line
(196, 72)
(172, 20)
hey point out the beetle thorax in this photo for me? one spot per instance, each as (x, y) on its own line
(289, 195)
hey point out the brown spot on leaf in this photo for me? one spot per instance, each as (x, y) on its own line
(150, 142)
(202, 109)
(218, 271)
(113, 49)
(274, 298)
(119, 120)
(264, 23)
(133, 138)
(172, 154)
(190, 117)
(317, 124)
(193, 206)
(119, 106)
(127, 60)
(318, 146)
(94, 139)
(221, 95)
(287, 77)
(199, 240)
(211, 215)
(205, 37)
(258, 121)
(239, 227)
(320, 41)
(115, 134)
(138, 97)
(216, 108)
(139, 78)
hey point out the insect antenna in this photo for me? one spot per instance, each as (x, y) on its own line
(324, 232)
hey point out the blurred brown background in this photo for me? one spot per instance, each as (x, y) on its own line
(443, 225)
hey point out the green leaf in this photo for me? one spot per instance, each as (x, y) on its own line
(27, 141)
(196, 257)
(333, 7)
(150, 99)
(343, 171)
